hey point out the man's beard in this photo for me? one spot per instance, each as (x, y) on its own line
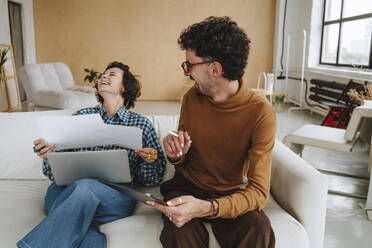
(198, 91)
(197, 87)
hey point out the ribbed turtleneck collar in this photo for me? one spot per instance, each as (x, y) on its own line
(243, 95)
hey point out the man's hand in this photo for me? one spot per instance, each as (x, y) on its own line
(174, 146)
(181, 210)
(43, 148)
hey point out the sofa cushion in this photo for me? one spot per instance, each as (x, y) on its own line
(64, 74)
(162, 125)
(22, 208)
(17, 132)
(67, 99)
(84, 89)
(50, 76)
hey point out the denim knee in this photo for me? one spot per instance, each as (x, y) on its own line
(87, 182)
(84, 187)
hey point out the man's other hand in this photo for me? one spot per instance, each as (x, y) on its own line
(176, 147)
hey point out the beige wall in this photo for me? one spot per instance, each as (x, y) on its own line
(143, 34)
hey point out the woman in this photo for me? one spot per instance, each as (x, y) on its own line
(75, 212)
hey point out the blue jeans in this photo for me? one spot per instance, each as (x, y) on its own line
(74, 214)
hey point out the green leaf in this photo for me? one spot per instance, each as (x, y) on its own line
(3, 57)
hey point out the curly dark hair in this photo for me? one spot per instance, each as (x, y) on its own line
(131, 85)
(218, 39)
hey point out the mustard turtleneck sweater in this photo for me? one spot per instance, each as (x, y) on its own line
(231, 140)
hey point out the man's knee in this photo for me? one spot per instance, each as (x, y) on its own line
(259, 221)
(252, 229)
(192, 234)
(258, 230)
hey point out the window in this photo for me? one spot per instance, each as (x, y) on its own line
(347, 33)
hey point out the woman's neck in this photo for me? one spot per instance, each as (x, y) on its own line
(113, 105)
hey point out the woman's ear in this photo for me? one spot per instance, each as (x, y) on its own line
(122, 89)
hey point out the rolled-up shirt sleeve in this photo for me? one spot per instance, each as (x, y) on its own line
(150, 174)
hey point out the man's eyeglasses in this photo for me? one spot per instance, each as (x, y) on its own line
(187, 66)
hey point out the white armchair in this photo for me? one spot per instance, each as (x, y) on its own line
(51, 85)
(360, 126)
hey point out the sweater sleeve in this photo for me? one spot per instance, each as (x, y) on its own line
(255, 195)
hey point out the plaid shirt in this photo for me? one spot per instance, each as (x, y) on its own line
(148, 174)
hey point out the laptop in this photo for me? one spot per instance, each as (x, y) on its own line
(109, 165)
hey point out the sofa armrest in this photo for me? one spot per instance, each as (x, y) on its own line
(301, 190)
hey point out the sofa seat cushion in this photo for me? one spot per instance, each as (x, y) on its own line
(22, 208)
(85, 89)
(67, 99)
(320, 136)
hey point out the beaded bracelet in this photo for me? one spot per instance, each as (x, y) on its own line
(214, 212)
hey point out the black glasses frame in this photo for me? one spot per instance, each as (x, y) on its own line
(187, 66)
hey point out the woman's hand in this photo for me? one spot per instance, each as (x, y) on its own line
(150, 155)
(43, 148)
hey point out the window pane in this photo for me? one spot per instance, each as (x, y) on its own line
(330, 40)
(355, 42)
(356, 7)
(332, 10)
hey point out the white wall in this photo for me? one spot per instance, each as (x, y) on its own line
(27, 28)
(297, 19)
(28, 32)
(4, 23)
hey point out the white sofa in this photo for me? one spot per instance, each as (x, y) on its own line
(296, 208)
(51, 85)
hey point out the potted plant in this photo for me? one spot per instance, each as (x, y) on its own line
(278, 102)
(3, 59)
(92, 76)
(359, 97)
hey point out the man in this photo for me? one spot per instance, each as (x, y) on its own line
(222, 151)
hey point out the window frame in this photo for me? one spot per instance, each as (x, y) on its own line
(340, 21)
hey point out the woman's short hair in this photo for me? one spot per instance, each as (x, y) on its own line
(132, 87)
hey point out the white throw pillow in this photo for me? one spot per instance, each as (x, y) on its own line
(163, 124)
(17, 133)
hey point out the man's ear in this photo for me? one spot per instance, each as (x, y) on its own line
(217, 69)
